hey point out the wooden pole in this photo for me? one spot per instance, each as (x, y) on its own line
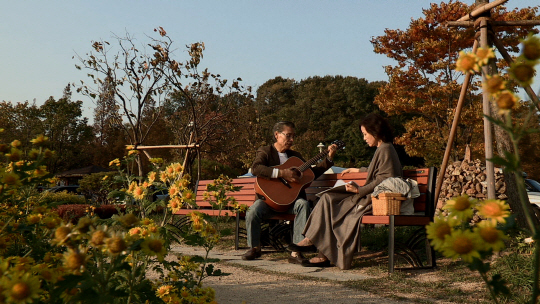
(481, 9)
(509, 60)
(168, 147)
(453, 130)
(488, 134)
(187, 151)
(495, 23)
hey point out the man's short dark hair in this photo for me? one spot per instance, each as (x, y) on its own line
(377, 126)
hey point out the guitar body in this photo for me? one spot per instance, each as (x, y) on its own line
(279, 195)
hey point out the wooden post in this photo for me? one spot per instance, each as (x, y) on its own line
(488, 131)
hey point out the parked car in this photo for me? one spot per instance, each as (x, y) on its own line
(533, 191)
(69, 189)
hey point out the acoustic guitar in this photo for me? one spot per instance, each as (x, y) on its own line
(278, 193)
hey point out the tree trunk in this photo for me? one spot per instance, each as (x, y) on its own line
(504, 144)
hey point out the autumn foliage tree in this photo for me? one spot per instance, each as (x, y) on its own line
(424, 85)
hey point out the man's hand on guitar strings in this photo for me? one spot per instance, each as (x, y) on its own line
(289, 175)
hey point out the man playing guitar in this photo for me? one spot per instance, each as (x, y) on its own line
(266, 158)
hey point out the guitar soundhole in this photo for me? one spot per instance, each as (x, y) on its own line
(297, 173)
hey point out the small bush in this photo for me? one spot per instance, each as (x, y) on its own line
(62, 198)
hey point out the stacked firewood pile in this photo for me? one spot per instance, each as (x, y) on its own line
(469, 177)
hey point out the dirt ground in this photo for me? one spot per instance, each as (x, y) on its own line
(252, 284)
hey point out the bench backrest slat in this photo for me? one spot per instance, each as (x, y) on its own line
(424, 176)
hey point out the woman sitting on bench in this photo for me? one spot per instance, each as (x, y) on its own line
(333, 227)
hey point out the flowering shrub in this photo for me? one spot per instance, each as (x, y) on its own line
(452, 234)
(46, 260)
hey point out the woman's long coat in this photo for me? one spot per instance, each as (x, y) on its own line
(334, 224)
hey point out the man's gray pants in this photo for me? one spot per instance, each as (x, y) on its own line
(260, 211)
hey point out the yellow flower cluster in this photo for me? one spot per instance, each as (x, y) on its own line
(204, 228)
(453, 235)
(470, 62)
(171, 295)
(217, 193)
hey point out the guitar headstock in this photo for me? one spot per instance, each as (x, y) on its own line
(340, 144)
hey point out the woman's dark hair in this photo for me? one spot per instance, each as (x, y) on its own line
(377, 126)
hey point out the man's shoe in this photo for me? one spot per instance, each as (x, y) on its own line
(297, 260)
(295, 248)
(251, 254)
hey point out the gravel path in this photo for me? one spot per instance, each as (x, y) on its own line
(245, 286)
(281, 285)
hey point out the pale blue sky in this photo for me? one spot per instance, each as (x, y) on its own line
(254, 40)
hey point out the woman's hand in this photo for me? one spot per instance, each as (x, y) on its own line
(351, 188)
(350, 170)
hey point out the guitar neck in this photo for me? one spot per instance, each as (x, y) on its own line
(312, 161)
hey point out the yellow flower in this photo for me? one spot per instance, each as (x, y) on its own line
(495, 211)
(84, 224)
(466, 62)
(135, 231)
(39, 140)
(177, 167)
(483, 55)
(152, 176)
(22, 288)
(74, 260)
(33, 219)
(48, 154)
(164, 290)
(114, 163)
(133, 152)
(33, 154)
(156, 160)
(163, 176)
(98, 238)
(116, 244)
(41, 171)
(51, 222)
(146, 221)
(15, 155)
(132, 186)
(462, 244)
(154, 247)
(11, 179)
(130, 147)
(16, 143)
(460, 207)
(494, 84)
(139, 193)
(62, 234)
(173, 191)
(523, 72)
(506, 100)
(531, 48)
(129, 220)
(491, 237)
(106, 177)
(175, 204)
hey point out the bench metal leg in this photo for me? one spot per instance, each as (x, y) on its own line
(391, 247)
(237, 232)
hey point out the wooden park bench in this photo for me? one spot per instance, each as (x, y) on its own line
(424, 208)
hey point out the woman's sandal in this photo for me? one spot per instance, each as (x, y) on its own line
(307, 263)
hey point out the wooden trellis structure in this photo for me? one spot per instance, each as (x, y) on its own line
(480, 18)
